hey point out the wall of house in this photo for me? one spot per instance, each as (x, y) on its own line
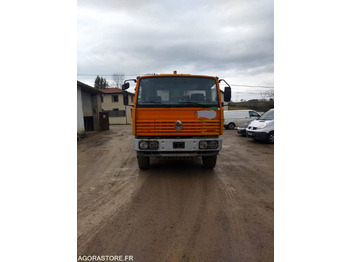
(80, 116)
(109, 105)
(91, 105)
(87, 103)
(96, 108)
(117, 120)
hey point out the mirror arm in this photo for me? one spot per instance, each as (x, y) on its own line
(134, 80)
(224, 81)
(124, 86)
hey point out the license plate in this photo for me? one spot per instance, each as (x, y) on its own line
(178, 145)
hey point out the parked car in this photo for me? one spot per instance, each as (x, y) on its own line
(242, 128)
(233, 118)
(262, 128)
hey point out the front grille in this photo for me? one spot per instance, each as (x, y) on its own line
(168, 127)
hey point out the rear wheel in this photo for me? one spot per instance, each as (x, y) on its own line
(270, 137)
(231, 126)
(209, 162)
(143, 162)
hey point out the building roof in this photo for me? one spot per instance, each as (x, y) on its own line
(113, 90)
(88, 89)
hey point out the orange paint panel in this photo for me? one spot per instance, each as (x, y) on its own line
(161, 122)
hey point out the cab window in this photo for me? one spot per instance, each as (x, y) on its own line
(253, 114)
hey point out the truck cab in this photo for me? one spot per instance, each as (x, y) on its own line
(178, 116)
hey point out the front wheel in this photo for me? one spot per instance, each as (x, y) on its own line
(231, 126)
(143, 162)
(270, 138)
(209, 162)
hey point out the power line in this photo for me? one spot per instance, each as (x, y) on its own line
(110, 75)
(253, 86)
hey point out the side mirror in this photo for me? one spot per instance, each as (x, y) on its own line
(227, 94)
(125, 97)
(125, 85)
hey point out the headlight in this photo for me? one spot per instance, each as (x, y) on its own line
(143, 145)
(213, 144)
(153, 145)
(262, 126)
(203, 144)
(208, 144)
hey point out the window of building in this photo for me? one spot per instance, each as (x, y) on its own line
(116, 113)
(115, 98)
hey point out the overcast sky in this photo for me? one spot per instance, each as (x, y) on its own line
(233, 40)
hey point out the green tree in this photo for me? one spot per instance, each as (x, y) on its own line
(101, 83)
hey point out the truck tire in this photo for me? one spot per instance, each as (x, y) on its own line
(209, 162)
(231, 126)
(143, 162)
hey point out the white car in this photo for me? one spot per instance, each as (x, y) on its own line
(262, 128)
(235, 118)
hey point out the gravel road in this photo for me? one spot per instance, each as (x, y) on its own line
(176, 210)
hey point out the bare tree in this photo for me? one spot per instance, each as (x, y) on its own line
(118, 79)
(268, 94)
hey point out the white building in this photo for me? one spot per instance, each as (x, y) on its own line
(89, 107)
(113, 104)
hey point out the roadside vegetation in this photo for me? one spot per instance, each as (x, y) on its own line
(255, 104)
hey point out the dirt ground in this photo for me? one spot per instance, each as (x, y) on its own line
(176, 210)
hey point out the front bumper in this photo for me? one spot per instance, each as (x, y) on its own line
(256, 135)
(179, 147)
(241, 131)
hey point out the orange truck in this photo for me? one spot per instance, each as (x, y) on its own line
(177, 116)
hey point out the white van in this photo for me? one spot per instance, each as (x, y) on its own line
(235, 118)
(262, 128)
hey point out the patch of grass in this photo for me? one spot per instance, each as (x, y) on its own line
(238, 108)
(257, 105)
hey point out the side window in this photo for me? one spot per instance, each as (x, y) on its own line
(253, 114)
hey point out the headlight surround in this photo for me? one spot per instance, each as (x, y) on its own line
(212, 144)
(262, 126)
(148, 145)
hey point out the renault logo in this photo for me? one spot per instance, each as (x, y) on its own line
(178, 125)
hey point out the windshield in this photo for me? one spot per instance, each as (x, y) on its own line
(267, 116)
(177, 92)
